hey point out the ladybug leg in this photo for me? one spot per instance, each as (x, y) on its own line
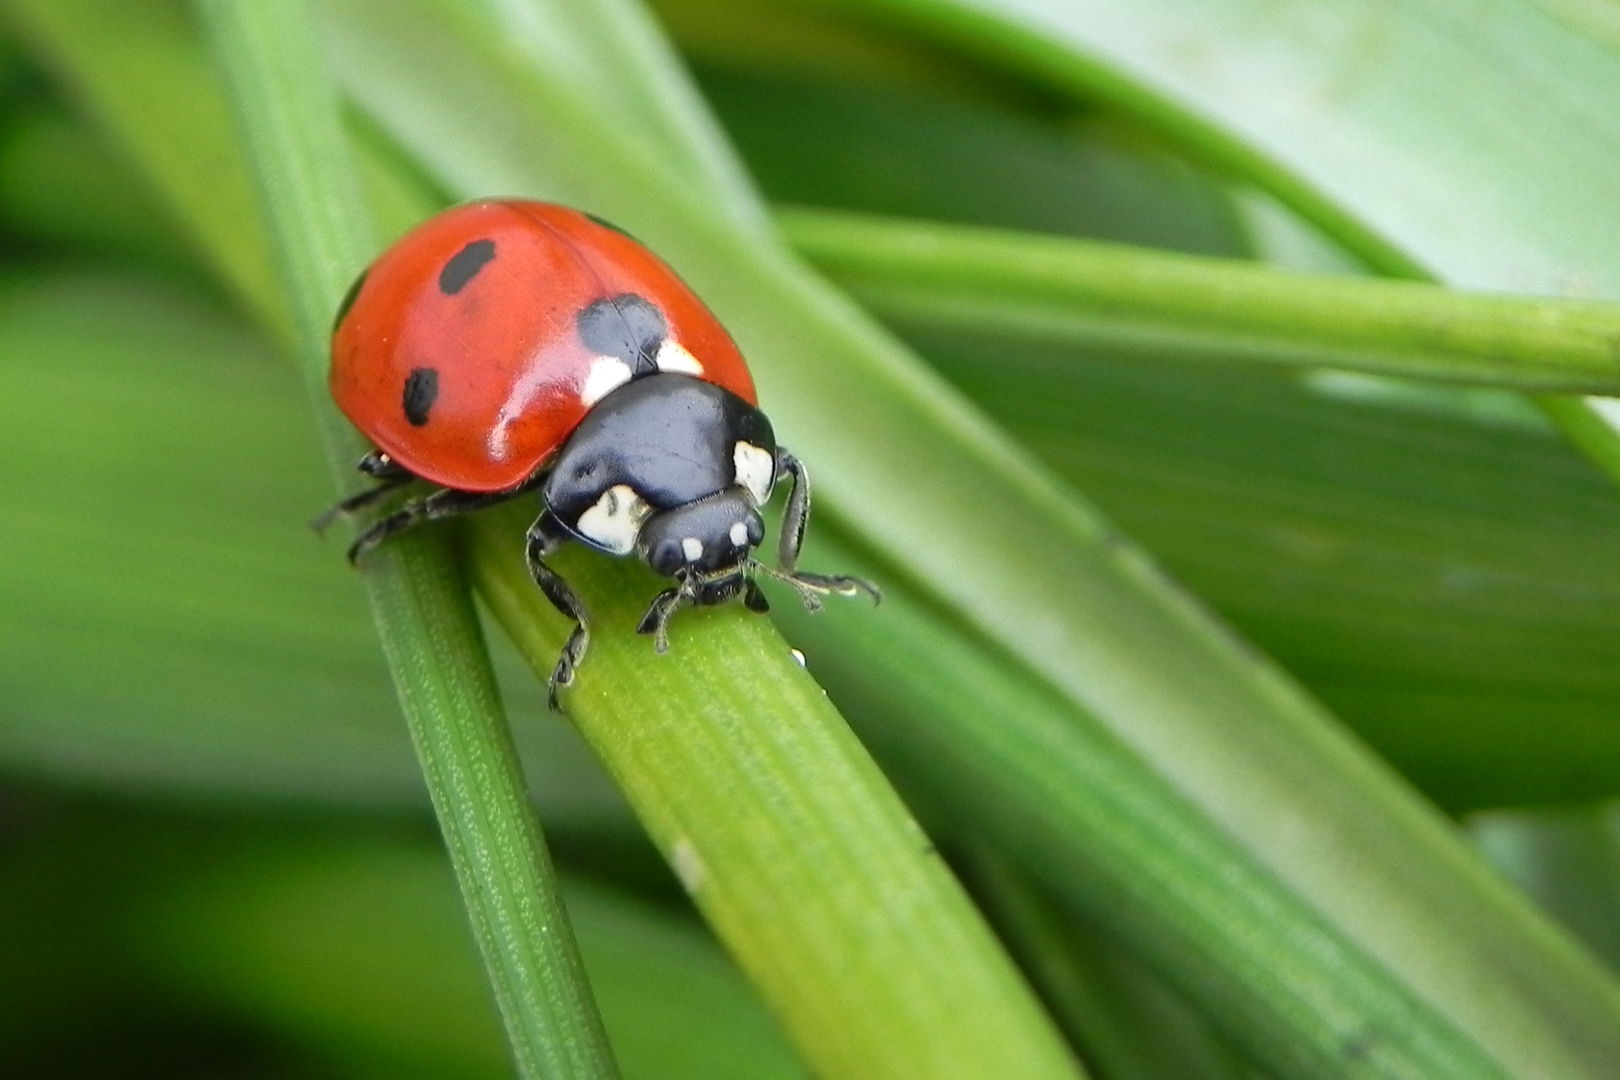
(444, 503)
(811, 587)
(378, 466)
(656, 621)
(546, 535)
(355, 502)
(797, 514)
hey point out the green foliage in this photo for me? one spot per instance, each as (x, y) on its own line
(1094, 479)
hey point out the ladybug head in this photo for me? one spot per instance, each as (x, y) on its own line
(707, 543)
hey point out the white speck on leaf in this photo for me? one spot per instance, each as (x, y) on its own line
(688, 865)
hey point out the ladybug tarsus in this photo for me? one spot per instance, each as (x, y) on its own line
(795, 517)
(377, 466)
(656, 621)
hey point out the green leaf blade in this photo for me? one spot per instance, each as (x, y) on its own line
(943, 278)
(288, 114)
(782, 830)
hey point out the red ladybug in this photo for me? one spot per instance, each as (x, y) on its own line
(506, 347)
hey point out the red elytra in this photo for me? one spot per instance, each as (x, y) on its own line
(500, 337)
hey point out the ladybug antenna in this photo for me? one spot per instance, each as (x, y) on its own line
(812, 587)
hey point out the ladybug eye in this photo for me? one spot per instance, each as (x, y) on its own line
(667, 557)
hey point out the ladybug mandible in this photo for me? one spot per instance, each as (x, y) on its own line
(507, 347)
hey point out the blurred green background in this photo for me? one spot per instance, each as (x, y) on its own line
(213, 833)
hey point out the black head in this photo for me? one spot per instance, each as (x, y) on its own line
(708, 542)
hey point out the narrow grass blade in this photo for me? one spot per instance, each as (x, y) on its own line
(288, 116)
(783, 831)
(945, 278)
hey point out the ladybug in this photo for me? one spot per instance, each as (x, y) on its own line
(508, 347)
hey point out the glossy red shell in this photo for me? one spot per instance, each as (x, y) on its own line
(509, 365)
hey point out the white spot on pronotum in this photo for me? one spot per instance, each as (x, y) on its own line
(615, 520)
(739, 534)
(756, 469)
(692, 548)
(608, 373)
(799, 656)
(672, 356)
(688, 865)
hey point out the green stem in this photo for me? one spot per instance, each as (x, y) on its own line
(1047, 288)
(287, 112)
(782, 829)
(1589, 423)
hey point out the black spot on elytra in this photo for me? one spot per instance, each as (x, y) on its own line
(348, 299)
(606, 224)
(421, 391)
(627, 326)
(464, 266)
